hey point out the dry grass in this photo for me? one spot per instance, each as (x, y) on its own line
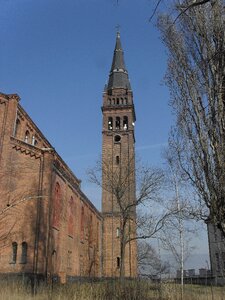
(110, 290)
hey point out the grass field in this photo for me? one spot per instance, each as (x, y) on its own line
(110, 290)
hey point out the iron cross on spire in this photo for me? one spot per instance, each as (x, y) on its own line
(118, 29)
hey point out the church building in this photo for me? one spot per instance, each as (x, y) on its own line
(48, 226)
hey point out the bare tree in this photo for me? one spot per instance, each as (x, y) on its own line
(146, 223)
(10, 214)
(150, 263)
(195, 77)
(182, 6)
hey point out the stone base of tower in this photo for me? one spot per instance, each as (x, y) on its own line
(111, 250)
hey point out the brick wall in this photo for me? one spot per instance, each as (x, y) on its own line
(30, 170)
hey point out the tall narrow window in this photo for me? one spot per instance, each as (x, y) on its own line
(33, 140)
(97, 235)
(82, 223)
(118, 262)
(14, 252)
(110, 123)
(27, 136)
(117, 232)
(57, 206)
(217, 261)
(17, 128)
(24, 253)
(117, 123)
(117, 101)
(117, 159)
(71, 216)
(91, 230)
(125, 122)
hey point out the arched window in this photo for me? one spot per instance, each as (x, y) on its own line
(125, 122)
(117, 101)
(24, 253)
(117, 232)
(121, 99)
(82, 223)
(14, 252)
(110, 102)
(117, 123)
(97, 235)
(34, 141)
(71, 216)
(17, 128)
(27, 136)
(57, 206)
(91, 230)
(110, 123)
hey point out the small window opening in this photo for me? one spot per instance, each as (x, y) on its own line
(117, 101)
(117, 138)
(24, 253)
(14, 252)
(110, 102)
(17, 127)
(117, 232)
(117, 123)
(110, 123)
(125, 122)
(117, 159)
(113, 100)
(217, 262)
(118, 262)
(27, 135)
(121, 100)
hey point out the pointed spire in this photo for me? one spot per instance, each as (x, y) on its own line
(118, 77)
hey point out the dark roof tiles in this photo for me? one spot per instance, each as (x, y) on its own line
(118, 77)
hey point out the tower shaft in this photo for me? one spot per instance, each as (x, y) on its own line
(118, 172)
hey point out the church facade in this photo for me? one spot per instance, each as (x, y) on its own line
(48, 226)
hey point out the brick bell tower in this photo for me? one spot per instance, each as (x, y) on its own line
(118, 169)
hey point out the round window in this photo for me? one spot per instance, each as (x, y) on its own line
(117, 138)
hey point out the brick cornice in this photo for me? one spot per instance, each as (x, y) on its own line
(23, 147)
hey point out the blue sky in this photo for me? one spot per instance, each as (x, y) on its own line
(56, 54)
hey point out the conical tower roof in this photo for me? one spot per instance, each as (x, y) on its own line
(118, 77)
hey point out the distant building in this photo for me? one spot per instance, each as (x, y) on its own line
(216, 251)
(185, 273)
(191, 272)
(203, 272)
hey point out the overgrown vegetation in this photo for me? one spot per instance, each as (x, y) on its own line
(110, 290)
